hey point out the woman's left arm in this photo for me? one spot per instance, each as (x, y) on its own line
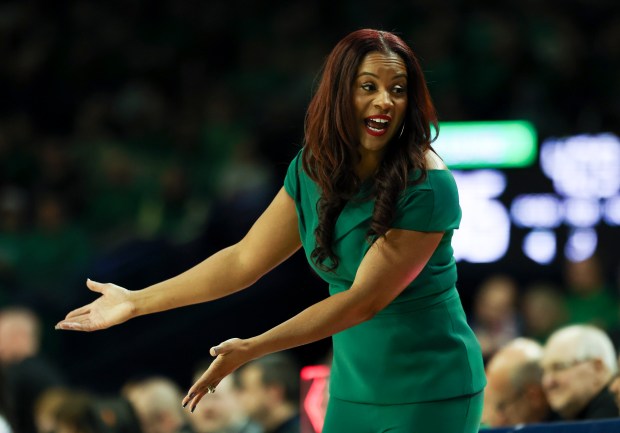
(388, 267)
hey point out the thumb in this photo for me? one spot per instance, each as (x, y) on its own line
(94, 286)
(223, 348)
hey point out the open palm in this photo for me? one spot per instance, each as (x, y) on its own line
(111, 308)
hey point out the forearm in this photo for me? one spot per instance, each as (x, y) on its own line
(323, 319)
(221, 274)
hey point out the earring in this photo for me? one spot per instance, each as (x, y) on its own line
(402, 130)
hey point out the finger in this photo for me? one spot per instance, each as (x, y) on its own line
(80, 323)
(191, 397)
(195, 401)
(79, 311)
(223, 348)
(69, 326)
(191, 393)
(187, 399)
(197, 392)
(94, 286)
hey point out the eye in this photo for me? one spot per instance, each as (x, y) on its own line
(369, 87)
(398, 89)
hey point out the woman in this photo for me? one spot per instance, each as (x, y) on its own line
(374, 208)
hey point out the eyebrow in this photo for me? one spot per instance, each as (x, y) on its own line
(401, 75)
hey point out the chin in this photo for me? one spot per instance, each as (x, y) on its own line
(374, 147)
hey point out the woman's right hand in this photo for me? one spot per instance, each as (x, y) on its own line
(114, 306)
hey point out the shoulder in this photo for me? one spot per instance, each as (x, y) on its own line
(291, 180)
(434, 161)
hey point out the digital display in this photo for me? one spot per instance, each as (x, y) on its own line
(581, 196)
(498, 144)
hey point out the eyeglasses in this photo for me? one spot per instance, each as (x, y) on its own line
(558, 367)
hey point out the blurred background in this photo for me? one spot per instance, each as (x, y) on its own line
(137, 138)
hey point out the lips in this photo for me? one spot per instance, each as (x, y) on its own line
(377, 125)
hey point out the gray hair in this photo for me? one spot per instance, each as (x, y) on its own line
(590, 343)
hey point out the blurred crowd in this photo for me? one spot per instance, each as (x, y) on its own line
(551, 350)
(137, 137)
(35, 397)
(551, 355)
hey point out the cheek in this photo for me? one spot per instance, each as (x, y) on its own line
(564, 387)
(401, 110)
(549, 381)
(359, 105)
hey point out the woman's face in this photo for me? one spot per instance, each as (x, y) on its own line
(379, 99)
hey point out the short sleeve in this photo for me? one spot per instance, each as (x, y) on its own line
(432, 206)
(291, 180)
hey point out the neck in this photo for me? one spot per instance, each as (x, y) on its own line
(368, 164)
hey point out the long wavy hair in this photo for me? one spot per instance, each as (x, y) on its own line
(331, 139)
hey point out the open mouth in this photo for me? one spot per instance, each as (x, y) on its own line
(377, 125)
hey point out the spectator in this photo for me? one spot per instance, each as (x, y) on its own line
(543, 308)
(590, 297)
(156, 402)
(118, 415)
(495, 313)
(59, 250)
(269, 390)
(46, 409)
(78, 414)
(221, 412)
(578, 364)
(514, 393)
(27, 373)
(13, 207)
(5, 411)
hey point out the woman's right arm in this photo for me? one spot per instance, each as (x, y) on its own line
(272, 239)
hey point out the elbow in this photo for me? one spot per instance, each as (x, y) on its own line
(365, 312)
(243, 268)
(361, 307)
(370, 313)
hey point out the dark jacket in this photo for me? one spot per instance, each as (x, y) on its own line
(602, 405)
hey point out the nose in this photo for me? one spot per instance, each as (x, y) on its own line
(548, 380)
(383, 101)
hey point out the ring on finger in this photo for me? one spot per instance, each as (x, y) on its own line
(210, 389)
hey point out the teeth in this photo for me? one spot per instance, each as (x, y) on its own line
(378, 120)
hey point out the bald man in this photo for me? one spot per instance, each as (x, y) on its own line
(579, 363)
(514, 393)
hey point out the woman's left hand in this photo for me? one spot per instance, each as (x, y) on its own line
(230, 355)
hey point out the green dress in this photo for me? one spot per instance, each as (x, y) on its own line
(419, 348)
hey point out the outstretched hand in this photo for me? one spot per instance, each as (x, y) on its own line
(230, 355)
(111, 308)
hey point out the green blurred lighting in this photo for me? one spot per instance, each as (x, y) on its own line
(501, 144)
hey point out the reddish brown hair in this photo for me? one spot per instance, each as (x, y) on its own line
(331, 142)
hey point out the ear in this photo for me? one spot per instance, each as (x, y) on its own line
(535, 395)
